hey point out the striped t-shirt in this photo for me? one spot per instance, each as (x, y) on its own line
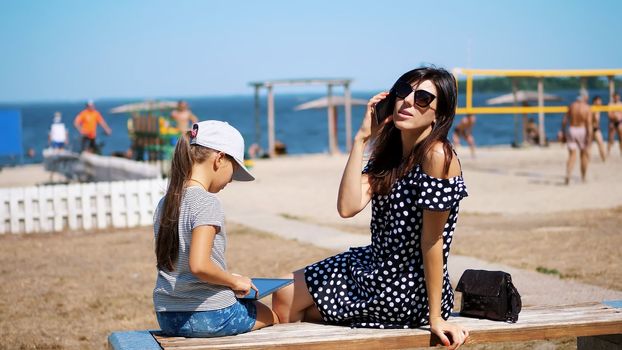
(180, 290)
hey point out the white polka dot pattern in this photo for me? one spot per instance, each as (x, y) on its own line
(382, 285)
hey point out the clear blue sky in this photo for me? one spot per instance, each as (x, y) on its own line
(71, 50)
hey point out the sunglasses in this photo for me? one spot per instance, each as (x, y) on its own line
(422, 98)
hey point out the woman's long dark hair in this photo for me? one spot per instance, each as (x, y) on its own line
(388, 164)
(167, 242)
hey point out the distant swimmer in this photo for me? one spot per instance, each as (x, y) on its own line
(86, 123)
(579, 133)
(598, 135)
(464, 130)
(183, 116)
(615, 124)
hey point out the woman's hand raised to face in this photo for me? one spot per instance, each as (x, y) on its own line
(369, 125)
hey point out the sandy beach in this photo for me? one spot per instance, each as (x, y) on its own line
(518, 215)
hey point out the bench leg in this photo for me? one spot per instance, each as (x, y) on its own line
(600, 342)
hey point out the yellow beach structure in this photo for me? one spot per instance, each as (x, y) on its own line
(539, 75)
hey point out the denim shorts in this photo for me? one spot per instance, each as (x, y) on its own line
(235, 319)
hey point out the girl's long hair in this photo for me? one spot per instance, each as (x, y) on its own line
(387, 163)
(167, 242)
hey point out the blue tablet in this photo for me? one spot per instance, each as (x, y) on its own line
(267, 286)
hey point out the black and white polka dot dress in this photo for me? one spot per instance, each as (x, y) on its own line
(382, 285)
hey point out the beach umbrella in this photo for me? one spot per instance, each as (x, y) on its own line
(335, 101)
(145, 106)
(522, 96)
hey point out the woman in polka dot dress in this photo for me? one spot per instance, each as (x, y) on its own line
(414, 182)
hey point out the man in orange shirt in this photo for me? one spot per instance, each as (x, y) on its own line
(86, 123)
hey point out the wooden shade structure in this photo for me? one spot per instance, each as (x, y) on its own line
(335, 101)
(329, 83)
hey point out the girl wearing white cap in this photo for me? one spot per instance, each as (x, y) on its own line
(195, 295)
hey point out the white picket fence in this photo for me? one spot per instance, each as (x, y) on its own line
(83, 206)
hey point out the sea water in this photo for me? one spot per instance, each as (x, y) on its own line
(302, 132)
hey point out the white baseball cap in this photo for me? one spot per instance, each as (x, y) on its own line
(220, 136)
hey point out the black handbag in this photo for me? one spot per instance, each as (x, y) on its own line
(489, 294)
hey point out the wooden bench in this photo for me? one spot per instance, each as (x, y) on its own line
(595, 325)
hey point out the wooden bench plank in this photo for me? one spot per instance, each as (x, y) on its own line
(537, 323)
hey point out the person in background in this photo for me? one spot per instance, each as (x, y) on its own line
(464, 130)
(183, 116)
(532, 135)
(58, 137)
(255, 151)
(86, 123)
(615, 124)
(598, 135)
(577, 128)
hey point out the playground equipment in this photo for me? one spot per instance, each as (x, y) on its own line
(150, 129)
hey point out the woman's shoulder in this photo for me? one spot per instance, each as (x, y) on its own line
(433, 163)
(436, 189)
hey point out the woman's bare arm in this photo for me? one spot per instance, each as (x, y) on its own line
(432, 249)
(354, 190)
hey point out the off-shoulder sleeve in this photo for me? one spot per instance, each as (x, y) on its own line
(439, 194)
